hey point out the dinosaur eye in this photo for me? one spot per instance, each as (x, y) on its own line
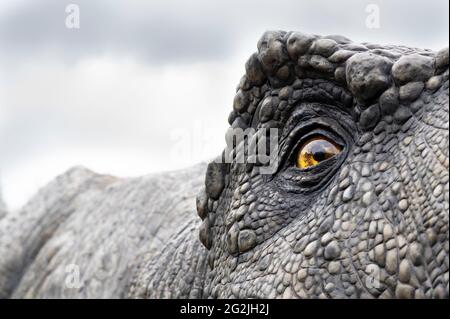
(316, 150)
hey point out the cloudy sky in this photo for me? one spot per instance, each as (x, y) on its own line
(146, 86)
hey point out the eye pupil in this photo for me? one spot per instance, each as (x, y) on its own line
(315, 151)
(321, 156)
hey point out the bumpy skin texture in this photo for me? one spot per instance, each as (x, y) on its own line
(84, 234)
(371, 223)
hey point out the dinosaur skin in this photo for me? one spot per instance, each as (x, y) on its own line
(371, 222)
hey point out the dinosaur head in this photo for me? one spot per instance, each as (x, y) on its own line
(355, 203)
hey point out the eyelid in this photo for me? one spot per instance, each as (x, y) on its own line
(306, 121)
(336, 126)
(299, 134)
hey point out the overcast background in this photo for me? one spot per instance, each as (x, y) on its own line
(146, 86)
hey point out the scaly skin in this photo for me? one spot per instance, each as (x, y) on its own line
(372, 222)
(377, 224)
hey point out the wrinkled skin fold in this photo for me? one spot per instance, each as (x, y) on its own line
(371, 222)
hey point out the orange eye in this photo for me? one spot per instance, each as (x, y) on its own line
(316, 150)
